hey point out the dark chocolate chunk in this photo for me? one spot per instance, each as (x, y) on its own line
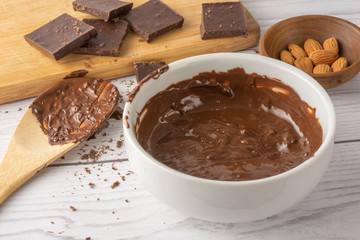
(60, 36)
(75, 109)
(108, 40)
(142, 69)
(153, 75)
(152, 19)
(106, 9)
(225, 19)
(76, 74)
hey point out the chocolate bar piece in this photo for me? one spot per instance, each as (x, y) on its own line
(60, 36)
(76, 74)
(142, 68)
(108, 40)
(106, 9)
(225, 19)
(152, 19)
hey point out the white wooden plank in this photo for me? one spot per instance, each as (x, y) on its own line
(329, 212)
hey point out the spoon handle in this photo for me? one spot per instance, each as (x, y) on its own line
(15, 169)
(29, 152)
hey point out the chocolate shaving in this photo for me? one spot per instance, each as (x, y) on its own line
(76, 74)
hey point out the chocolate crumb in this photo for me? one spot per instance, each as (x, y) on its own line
(92, 154)
(62, 157)
(88, 170)
(52, 222)
(256, 51)
(117, 114)
(19, 109)
(115, 184)
(88, 238)
(113, 167)
(73, 208)
(119, 144)
(6, 111)
(126, 200)
(92, 185)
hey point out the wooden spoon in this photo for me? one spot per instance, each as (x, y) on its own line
(29, 152)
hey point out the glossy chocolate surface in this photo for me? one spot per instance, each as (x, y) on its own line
(229, 126)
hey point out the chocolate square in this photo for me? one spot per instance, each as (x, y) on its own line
(142, 68)
(106, 9)
(152, 19)
(225, 19)
(60, 36)
(108, 40)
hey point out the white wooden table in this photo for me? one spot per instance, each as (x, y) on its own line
(40, 209)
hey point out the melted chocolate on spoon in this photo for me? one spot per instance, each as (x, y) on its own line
(75, 108)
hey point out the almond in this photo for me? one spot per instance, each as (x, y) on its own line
(311, 45)
(304, 64)
(297, 51)
(323, 57)
(287, 57)
(339, 64)
(322, 68)
(331, 44)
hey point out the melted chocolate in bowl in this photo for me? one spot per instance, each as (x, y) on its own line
(229, 126)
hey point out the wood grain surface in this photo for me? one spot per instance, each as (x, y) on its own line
(26, 72)
(41, 208)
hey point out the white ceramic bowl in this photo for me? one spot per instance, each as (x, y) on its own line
(239, 201)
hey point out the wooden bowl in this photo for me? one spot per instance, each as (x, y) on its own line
(318, 27)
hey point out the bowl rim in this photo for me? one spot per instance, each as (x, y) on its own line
(354, 65)
(328, 140)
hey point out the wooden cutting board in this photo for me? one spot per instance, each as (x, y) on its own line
(26, 72)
